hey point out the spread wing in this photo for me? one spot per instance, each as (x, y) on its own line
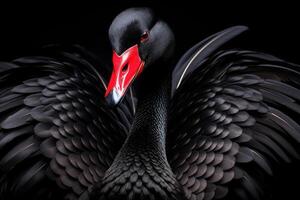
(232, 122)
(57, 136)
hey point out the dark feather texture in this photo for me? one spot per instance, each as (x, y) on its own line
(195, 56)
(232, 122)
(57, 136)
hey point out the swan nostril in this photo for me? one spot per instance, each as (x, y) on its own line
(125, 68)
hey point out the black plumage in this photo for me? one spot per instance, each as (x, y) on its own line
(217, 130)
(54, 127)
(246, 103)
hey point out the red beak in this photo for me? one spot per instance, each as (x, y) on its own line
(125, 68)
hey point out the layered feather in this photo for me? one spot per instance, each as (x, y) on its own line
(57, 135)
(232, 123)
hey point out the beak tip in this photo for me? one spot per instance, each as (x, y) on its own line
(112, 98)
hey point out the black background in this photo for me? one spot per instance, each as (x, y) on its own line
(273, 27)
(25, 27)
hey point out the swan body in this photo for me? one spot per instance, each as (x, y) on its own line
(213, 126)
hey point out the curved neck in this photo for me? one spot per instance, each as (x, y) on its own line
(144, 151)
(150, 121)
(151, 114)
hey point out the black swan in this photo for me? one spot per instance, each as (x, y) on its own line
(213, 126)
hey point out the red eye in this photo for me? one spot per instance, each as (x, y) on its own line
(144, 37)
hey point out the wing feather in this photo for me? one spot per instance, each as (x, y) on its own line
(57, 135)
(240, 112)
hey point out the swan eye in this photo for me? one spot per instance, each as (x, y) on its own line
(144, 37)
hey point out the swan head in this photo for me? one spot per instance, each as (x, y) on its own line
(138, 39)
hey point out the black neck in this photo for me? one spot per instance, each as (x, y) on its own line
(144, 151)
(150, 122)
